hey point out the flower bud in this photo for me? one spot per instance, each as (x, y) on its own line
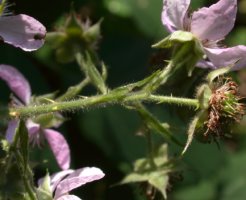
(187, 49)
(73, 36)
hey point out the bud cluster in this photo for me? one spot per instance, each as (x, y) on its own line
(74, 35)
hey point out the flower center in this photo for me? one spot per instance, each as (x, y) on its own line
(210, 44)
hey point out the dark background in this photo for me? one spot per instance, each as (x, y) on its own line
(106, 137)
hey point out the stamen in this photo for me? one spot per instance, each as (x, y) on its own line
(215, 44)
(4, 8)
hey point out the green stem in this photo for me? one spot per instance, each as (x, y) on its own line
(174, 100)
(162, 78)
(26, 176)
(25, 179)
(110, 98)
(150, 149)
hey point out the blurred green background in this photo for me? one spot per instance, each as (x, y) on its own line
(107, 137)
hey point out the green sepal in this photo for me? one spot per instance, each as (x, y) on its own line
(44, 191)
(93, 33)
(187, 49)
(157, 176)
(73, 91)
(104, 71)
(137, 85)
(64, 54)
(174, 38)
(55, 39)
(203, 95)
(49, 120)
(73, 36)
(196, 124)
(187, 55)
(73, 22)
(89, 68)
(216, 73)
(44, 99)
(4, 148)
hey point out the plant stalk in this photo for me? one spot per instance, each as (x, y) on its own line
(93, 101)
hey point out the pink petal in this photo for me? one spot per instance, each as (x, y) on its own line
(174, 13)
(68, 197)
(59, 147)
(205, 64)
(35, 137)
(215, 22)
(16, 82)
(10, 133)
(32, 127)
(235, 56)
(56, 178)
(22, 31)
(78, 178)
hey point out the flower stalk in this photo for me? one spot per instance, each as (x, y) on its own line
(22, 163)
(94, 101)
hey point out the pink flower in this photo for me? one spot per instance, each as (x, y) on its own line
(22, 31)
(210, 26)
(63, 182)
(21, 88)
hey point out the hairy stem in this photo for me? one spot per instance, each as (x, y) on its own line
(25, 178)
(87, 102)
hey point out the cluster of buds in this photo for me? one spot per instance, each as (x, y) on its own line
(73, 36)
